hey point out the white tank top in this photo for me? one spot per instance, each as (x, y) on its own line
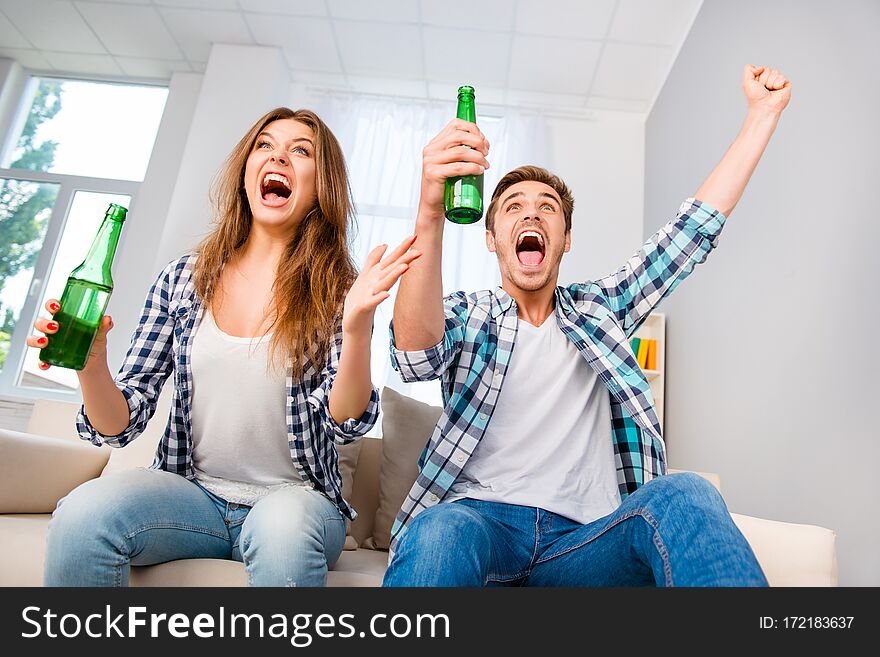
(549, 441)
(239, 416)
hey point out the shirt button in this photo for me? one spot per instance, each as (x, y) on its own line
(497, 373)
(433, 498)
(483, 416)
(460, 459)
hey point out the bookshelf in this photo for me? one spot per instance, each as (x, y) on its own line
(654, 328)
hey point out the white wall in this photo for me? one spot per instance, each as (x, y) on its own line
(241, 83)
(602, 160)
(134, 269)
(770, 380)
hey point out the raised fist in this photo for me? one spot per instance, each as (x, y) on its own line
(766, 88)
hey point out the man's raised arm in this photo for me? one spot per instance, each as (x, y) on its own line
(767, 92)
(418, 309)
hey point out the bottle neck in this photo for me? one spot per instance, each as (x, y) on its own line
(467, 110)
(96, 267)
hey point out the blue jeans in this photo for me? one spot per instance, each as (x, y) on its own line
(673, 531)
(143, 517)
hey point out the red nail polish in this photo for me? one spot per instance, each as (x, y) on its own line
(52, 326)
(44, 366)
(54, 307)
(42, 340)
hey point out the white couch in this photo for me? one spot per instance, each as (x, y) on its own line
(41, 466)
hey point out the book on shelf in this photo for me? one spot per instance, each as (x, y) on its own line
(645, 351)
(634, 345)
(642, 353)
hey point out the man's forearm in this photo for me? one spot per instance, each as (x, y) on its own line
(725, 185)
(418, 309)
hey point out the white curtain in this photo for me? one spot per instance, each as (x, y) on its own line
(383, 140)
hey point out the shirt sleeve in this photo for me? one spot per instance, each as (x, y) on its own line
(319, 399)
(429, 364)
(147, 364)
(664, 260)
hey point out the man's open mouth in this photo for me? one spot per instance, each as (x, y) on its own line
(530, 248)
(275, 188)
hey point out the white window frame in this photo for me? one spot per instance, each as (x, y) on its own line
(69, 185)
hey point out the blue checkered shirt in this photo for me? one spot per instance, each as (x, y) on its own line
(597, 316)
(161, 346)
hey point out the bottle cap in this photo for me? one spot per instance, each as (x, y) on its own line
(116, 212)
(465, 90)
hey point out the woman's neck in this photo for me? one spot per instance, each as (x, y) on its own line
(262, 250)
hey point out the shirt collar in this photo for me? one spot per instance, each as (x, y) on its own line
(505, 302)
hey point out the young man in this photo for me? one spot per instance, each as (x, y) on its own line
(545, 467)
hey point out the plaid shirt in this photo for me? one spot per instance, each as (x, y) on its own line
(597, 316)
(161, 346)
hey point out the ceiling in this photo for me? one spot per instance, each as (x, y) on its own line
(566, 54)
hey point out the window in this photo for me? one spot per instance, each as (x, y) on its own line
(383, 141)
(75, 147)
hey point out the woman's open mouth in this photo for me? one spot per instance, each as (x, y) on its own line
(275, 189)
(530, 248)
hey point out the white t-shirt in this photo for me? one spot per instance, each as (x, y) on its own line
(549, 441)
(239, 416)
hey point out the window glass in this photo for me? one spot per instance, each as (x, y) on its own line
(82, 128)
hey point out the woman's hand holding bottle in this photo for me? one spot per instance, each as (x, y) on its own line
(48, 327)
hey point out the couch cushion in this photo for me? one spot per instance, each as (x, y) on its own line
(348, 459)
(407, 425)
(37, 471)
(354, 568)
(23, 540)
(365, 488)
(23, 545)
(51, 417)
(791, 554)
(190, 572)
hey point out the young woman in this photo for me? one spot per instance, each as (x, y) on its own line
(265, 330)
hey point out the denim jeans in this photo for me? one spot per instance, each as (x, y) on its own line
(144, 517)
(673, 531)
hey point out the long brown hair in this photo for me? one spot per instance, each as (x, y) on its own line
(316, 270)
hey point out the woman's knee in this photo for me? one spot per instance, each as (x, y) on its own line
(293, 519)
(99, 502)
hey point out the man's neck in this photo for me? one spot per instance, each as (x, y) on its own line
(533, 306)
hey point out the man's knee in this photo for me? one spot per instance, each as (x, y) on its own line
(691, 491)
(688, 491)
(444, 528)
(446, 545)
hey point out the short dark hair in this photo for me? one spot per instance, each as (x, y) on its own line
(537, 174)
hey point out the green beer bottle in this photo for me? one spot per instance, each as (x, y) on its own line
(85, 298)
(463, 195)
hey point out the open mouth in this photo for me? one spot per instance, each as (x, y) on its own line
(530, 248)
(275, 189)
